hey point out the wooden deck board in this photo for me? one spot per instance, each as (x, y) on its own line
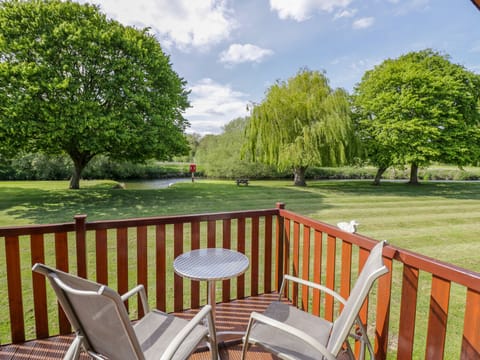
(231, 316)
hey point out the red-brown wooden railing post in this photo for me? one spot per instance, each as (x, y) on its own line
(280, 233)
(14, 286)
(81, 236)
(142, 264)
(254, 259)
(178, 236)
(471, 330)
(61, 263)
(268, 237)
(383, 311)
(437, 321)
(37, 245)
(408, 312)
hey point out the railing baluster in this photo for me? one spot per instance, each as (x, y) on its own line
(279, 248)
(212, 233)
(317, 271)
(161, 266)
(241, 248)
(178, 280)
(122, 261)
(195, 244)
(81, 240)
(471, 327)
(226, 244)
(14, 284)
(346, 270)
(437, 321)
(267, 280)
(142, 264)
(408, 309)
(254, 257)
(286, 253)
(306, 265)
(39, 287)
(295, 260)
(330, 276)
(62, 263)
(101, 257)
(383, 311)
(363, 314)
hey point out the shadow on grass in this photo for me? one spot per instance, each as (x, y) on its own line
(37, 206)
(40, 206)
(450, 190)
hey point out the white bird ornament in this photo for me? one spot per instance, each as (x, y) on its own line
(350, 227)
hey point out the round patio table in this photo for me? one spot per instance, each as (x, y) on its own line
(211, 265)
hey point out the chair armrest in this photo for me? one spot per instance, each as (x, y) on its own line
(311, 284)
(288, 329)
(183, 334)
(140, 289)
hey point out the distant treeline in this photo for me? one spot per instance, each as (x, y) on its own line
(42, 167)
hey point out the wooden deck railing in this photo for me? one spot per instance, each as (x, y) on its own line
(412, 307)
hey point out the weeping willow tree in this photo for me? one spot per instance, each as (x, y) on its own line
(301, 122)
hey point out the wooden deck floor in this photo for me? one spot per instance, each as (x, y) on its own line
(230, 317)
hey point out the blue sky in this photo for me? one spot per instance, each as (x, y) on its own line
(231, 51)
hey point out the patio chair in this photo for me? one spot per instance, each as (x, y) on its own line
(104, 330)
(291, 333)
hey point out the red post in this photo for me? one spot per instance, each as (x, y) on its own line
(81, 238)
(193, 168)
(280, 229)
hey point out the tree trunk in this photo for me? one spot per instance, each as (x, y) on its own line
(299, 176)
(379, 174)
(79, 163)
(414, 174)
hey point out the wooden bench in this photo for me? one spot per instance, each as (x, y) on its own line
(242, 182)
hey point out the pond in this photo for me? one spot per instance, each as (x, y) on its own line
(152, 184)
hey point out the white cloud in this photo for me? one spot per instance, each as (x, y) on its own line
(180, 23)
(238, 53)
(301, 10)
(213, 106)
(347, 13)
(408, 6)
(363, 23)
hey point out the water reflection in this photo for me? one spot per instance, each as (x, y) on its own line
(152, 184)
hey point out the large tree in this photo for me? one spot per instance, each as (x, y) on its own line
(220, 155)
(416, 109)
(73, 81)
(302, 122)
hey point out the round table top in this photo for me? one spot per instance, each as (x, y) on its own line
(211, 264)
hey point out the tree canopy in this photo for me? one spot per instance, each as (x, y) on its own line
(301, 122)
(417, 109)
(220, 155)
(73, 81)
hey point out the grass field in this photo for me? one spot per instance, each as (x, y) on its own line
(438, 219)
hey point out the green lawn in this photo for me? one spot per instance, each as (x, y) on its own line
(440, 220)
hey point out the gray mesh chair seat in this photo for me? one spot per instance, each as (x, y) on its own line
(290, 345)
(291, 333)
(157, 330)
(104, 330)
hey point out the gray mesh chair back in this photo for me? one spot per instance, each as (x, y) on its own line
(97, 312)
(372, 270)
(103, 328)
(291, 333)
